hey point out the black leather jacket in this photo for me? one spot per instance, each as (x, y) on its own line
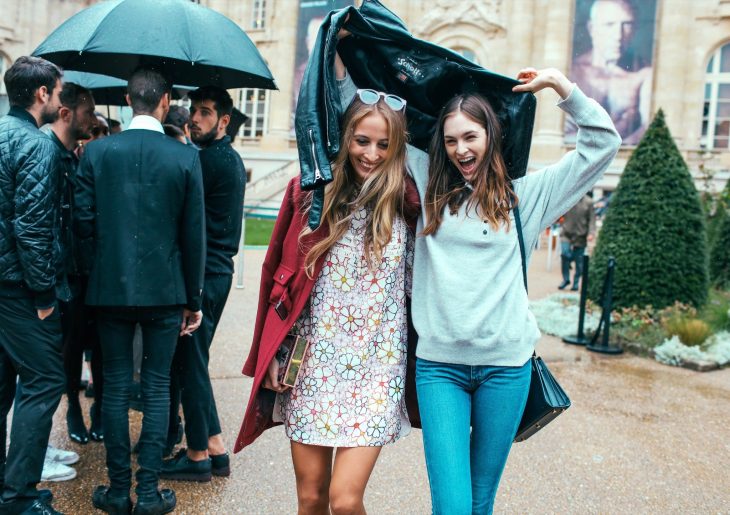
(29, 185)
(381, 54)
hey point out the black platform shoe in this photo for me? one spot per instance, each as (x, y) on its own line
(75, 423)
(164, 503)
(114, 505)
(97, 428)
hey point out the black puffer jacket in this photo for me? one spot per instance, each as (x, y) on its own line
(29, 185)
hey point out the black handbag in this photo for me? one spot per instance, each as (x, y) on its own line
(546, 399)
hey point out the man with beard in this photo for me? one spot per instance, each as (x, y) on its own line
(30, 339)
(76, 121)
(139, 202)
(224, 181)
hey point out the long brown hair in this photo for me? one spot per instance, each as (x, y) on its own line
(490, 191)
(382, 191)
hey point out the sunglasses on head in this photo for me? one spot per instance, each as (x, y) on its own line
(371, 97)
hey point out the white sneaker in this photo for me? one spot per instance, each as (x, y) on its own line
(54, 471)
(61, 456)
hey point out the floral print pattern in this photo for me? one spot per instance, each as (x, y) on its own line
(350, 388)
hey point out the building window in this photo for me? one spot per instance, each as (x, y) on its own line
(469, 54)
(4, 103)
(716, 110)
(259, 14)
(254, 103)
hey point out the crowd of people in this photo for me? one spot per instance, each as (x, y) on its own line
(107, 239)
(104, 233)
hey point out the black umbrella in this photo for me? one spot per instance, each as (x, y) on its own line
(192, 44)
(110, 91)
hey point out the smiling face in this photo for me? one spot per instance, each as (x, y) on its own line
(465, 141)
(368, 146)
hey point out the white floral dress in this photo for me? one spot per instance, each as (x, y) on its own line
(350, 390)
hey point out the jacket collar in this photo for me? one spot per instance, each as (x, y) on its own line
(23, 114)
(143, 121)
(65, 153)
(219, 142)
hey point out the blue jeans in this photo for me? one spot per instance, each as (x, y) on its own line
(470, 416)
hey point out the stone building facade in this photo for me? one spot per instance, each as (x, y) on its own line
(689, 75)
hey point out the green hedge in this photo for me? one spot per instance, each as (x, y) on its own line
(655, 229)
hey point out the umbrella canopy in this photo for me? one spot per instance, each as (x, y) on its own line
(110, 91)
(192, 44)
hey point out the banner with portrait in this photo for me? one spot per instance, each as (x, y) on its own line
(612, 61)
(311, 15)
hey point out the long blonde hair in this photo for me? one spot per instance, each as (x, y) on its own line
(491, 191)
(382, 191)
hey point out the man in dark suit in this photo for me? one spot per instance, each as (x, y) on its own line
(224, 180)
(139, 197)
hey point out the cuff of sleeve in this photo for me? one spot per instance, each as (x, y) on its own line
(347, 88)
(45, 299)
(194, 306)
(577, 104)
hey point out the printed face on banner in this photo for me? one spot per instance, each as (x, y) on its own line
(613, 49)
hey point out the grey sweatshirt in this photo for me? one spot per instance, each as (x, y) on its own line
(469, 303)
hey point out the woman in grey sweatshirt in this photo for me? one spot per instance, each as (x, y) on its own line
(469, 303)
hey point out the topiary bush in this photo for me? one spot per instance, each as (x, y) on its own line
(655, 229)
(720, 251)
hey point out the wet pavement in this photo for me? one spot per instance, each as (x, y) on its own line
(641, 437)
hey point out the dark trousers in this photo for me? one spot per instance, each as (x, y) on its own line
(80, 334)
(160, 329)
(568, 254)
(191, 380)
(30, 349)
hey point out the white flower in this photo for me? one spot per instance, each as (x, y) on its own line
(308, 386)
(396, 388)
(391, 309)
(326, 426)
(351, 319)
(376, 427)
(388, 353)
(323, 351)
(325, 379)
(348, 365)
(326, 327)
(378, 402)
(355, 426)
(341, 279)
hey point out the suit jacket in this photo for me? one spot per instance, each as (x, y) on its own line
(382, 54)
(285, 289)
(139, 197)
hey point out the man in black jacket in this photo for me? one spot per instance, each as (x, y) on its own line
(224, 180)
(139, 197)
(75, 122)
(30, 323)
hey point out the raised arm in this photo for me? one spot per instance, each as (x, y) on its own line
(553, 190)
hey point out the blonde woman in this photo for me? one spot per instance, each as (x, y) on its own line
(342, 288)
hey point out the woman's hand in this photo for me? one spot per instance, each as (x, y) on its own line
(533, 80)
(271, 380)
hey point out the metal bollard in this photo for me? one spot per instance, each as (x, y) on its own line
(605, 325)
(580, 338)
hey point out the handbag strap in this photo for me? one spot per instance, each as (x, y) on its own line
(521, 239)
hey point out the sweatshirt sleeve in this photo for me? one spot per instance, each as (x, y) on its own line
(553, 190)
(347, 89)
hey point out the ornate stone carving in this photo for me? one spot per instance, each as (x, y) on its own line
(485, 14)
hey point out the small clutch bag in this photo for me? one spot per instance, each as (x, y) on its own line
(290, 356)
(545, 401)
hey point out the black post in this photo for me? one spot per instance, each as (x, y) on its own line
(580, 338)
(605, 347)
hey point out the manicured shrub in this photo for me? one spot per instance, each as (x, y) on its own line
(720, 252)
(655, 229)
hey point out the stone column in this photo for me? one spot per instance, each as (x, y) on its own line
(547, 143)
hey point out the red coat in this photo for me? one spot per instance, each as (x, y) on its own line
(284, 291)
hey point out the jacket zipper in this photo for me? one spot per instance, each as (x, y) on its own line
(317, 172)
